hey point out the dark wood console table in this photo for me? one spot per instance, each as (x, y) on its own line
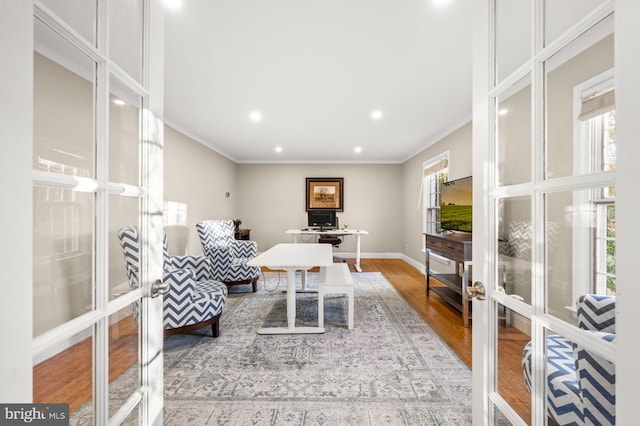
(243, 234)
(457, 248)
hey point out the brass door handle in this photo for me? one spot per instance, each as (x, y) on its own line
(477, 291)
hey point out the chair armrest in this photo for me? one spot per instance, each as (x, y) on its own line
(597, 313)
(220, 258)
(244, 248)
(181, 284)
(597, 381)
(201, 265)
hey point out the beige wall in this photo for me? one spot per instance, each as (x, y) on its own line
(200, 178)
(269, 198)
(272, 200)
(458, 143)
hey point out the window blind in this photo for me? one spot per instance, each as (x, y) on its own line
(597, 104)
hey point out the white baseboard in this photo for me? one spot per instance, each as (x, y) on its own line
(351, 255)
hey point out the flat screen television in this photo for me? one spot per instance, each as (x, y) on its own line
(323, 219)
(455, 205)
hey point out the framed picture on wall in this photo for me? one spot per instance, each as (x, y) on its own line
(325, 193)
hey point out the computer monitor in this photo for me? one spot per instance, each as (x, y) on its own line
(323, 219)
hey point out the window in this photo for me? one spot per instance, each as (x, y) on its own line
(435, 172)
(595, 152)
(603, 132)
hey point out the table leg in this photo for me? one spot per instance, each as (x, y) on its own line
(291, 312)
(291, 298)
(303, 279)
(357, 265)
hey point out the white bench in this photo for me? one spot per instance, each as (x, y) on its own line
(337, 279)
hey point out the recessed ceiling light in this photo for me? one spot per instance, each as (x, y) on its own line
(357, 150)
(255, 116)
(173, 4)
(376, 115)
(440, 3)
(119, 102)
(278, 149)
(503, 111)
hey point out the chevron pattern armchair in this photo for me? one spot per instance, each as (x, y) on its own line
(193, 299)
(228, 256)
(580, 385)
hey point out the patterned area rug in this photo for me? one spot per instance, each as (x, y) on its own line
(390, 369)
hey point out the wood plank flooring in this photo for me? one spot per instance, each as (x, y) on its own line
(66, 377)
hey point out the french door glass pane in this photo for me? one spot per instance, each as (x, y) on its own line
(587, 57)
(66, 377)
(561, 15)
(514, 134)
(63, 242)
(514, 333)
(79, 14)
(125, 108)
(580, 249)
(123, 211)
(64, 113)
(124, 371)
(514, 244)
(125, 35)
(513, 36)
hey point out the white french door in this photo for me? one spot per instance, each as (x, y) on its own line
(546, 174)
(97, 167)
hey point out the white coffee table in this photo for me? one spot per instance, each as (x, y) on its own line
(292, 258)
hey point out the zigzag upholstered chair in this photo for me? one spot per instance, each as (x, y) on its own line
(228, 255)
(580, 385)
(193, 299)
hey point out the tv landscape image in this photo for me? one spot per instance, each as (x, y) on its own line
(456, 205)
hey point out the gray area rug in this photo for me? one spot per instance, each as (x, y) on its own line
(391, 369)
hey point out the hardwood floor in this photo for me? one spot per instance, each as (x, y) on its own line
(66, 377)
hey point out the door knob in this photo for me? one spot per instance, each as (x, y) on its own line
(159, 288)
(477, 291)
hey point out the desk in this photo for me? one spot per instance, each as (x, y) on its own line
(292, 258)
(337, 232)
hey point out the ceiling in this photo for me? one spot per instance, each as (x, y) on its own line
(315, 70)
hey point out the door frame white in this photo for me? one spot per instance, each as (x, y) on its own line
(16, 119)
(627, 207)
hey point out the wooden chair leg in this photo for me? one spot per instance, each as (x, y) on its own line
(215, 328)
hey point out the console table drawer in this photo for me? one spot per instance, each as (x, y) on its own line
(454, 250)
(434, 243)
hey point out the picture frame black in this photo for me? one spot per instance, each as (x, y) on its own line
(324, 194)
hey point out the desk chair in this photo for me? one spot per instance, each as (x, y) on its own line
(334, 240)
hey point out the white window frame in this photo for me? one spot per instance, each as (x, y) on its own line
(430, 193)
(584, 238)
